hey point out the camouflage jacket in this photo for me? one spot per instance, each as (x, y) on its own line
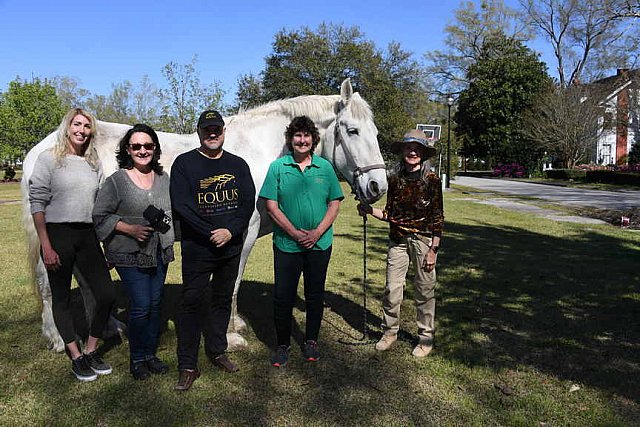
(414, 206)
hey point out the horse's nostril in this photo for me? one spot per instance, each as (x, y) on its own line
(373, 187)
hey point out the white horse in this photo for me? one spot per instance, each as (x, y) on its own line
(348, 140)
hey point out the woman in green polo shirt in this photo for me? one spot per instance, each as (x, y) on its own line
(302, 196)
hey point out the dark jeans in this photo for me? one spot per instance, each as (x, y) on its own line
(144, 289)
(77, 244)
(205, 308)
(287, 268)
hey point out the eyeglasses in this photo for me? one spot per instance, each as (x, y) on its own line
(138, 147)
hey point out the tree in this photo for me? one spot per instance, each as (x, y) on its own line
(185, 97)
(589, 38)
(627, 9)
(116, 107)
(69, 91)
(309, 61)
(128, 103)
(474, 24)
(250, 92)
(29, 111)
(505, 81)
(565, 122)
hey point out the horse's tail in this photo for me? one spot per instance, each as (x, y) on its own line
(33, 243)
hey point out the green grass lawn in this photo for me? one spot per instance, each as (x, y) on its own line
(537, 324)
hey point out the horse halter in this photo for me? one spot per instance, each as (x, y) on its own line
(358, 170)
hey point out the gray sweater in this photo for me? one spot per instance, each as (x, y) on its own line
(65, 192)
(120, 199)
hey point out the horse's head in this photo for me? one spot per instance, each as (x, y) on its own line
(351, 144)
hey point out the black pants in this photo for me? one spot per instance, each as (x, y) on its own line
(77, 245)
(205, 308)
(287, 269)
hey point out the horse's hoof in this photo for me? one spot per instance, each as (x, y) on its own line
(236, 341)
(56, 344)
(237, 324)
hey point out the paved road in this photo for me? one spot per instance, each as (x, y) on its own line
(573, 197)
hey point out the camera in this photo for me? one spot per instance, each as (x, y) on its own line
(160, 221)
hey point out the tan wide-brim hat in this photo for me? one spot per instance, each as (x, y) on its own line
(417, 136)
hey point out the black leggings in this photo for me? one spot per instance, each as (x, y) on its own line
(77, 245)
(287, 268)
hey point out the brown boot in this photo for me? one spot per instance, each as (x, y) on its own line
(186, 379)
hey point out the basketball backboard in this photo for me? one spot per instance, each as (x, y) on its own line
(431, 131)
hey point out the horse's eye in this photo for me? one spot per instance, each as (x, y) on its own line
(352, 131)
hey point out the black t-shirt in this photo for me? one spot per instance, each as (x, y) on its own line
(208, 194)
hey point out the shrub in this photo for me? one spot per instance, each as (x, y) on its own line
(9, 173)
(511, 170)
(614, 177)
(566, 174)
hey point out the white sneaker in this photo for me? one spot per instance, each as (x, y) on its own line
(385, 342)
(422, 350)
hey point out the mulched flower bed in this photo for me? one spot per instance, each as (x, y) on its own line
(613, 216)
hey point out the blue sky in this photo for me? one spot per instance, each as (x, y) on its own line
(102, 42)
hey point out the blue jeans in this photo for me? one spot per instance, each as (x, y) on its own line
(144, 288)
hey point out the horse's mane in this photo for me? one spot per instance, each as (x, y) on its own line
(316, 107)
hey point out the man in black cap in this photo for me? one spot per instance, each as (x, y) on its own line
(213, 195)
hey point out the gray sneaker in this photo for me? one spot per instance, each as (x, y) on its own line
(311, 351)
(281, 358)
(96, 363)
(82, 370)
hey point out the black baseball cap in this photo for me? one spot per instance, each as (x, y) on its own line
(210, 118)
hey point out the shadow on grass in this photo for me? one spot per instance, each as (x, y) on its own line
(507, 299)
(565, 306)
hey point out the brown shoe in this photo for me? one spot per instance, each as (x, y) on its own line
(186, 379)
(223, 363)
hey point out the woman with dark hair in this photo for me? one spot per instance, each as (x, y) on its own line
(62, 190)
(132, 216)
(302, 196)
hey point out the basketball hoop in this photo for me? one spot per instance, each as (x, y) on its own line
(432, 132)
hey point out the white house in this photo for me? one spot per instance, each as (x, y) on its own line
(620, 121)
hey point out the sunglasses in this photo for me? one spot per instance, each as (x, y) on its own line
(212, 130)
(138, 147)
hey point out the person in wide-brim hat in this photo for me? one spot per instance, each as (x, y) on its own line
(414, 211)
(417, 136)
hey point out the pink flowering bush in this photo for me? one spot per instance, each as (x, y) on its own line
(511, 170)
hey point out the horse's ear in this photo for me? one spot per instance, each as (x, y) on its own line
(346, 91)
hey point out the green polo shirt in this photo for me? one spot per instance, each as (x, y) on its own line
(302, 196)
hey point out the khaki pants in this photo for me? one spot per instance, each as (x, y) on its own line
(399, 257)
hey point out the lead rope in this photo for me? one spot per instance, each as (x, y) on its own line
(364, 339)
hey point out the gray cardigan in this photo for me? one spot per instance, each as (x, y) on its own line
(120, 199)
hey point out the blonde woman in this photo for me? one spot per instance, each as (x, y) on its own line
(62, 190)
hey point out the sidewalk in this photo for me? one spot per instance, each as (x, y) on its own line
(564, 196)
